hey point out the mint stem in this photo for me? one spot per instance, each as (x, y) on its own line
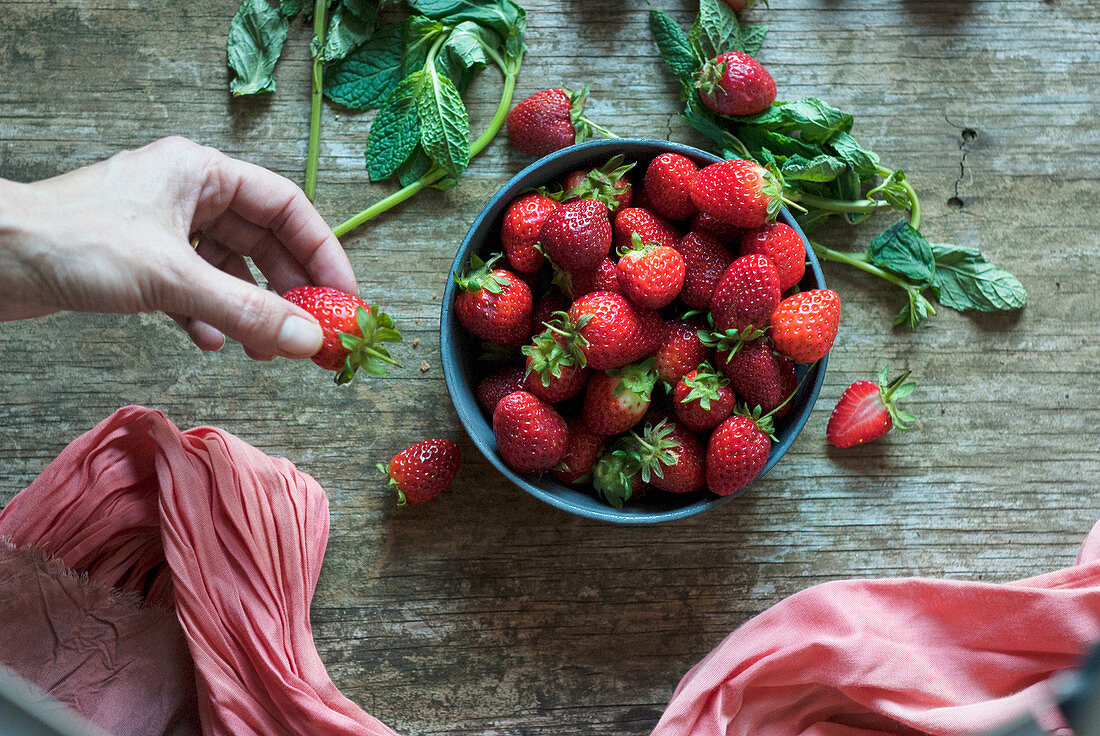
(860, 261)
(313, 152)
(853, 206)
(435, 173)
(914, 203)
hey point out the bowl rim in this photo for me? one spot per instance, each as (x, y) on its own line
(467, 416)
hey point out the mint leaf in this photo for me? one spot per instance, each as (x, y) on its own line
(863, 162)
(462, 56)
(504, 17)
(819, 168)
(673, 44)
(914, 312)
(964, 279)
(415, 167)
(291, 8)
(368, 75)
(904, 251)
(892, 190)
(395, 132)
(716, 30)
(351, 24)
(752, 37)
(816, 121)
(444, 125)
(256, 36)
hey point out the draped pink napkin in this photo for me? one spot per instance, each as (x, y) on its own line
(904, 656)
(136, 519)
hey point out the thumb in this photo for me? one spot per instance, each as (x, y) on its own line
(262, 321)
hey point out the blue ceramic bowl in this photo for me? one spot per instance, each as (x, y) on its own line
(460, 351)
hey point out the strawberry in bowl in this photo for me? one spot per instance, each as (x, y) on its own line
(641, 305)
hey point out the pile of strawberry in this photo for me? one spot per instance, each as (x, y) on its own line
(661, 346)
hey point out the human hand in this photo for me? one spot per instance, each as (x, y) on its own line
(114, 237)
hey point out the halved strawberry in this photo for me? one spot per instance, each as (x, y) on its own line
(868, 410)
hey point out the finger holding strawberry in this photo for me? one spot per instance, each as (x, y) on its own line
(353, 331)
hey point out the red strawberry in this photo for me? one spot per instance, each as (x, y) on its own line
(736, 453)
(493, 304)
(671, 457)
(734, 83)
(680, 352)
(530, 435)
(742, 193)
(652, 331)
(651, 228)
(703, 399)
(759, 375)
(577, 235)
(650, 275)
(352, 331)
(496, 386)
(582, 448)
(705, 260)
(804, 325)
(738, 5)
(610, 328)
(746, 296)
(868, 410)
(550, 120)
(780, 243)
(553, 370)
(667, 186)
(723, 232)
(608, 183)
(519, 233)
(423, 471)
(617, 399)
(605, 277)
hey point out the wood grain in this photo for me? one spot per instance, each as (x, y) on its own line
(487, 611)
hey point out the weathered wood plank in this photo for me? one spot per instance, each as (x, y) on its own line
(487, 611)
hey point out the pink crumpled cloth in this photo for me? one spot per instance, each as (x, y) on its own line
(136, 520)
(904, 656)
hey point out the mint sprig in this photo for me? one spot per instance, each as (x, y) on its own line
(828, 174)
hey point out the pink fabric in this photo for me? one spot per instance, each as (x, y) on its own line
(198, 521)
(863, 657)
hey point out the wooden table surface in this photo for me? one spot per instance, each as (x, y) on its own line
(487, 611)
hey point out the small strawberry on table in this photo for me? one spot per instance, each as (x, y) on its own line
(868, 410)
(423, 471)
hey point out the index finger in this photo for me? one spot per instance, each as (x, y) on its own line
(275, 203)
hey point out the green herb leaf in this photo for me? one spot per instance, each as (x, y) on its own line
(816, 121)
(819, 168)
(395, 132)
(673, 44)
(368, 75)
(964, 279)
(892, 190)
(716, 30)
(863, 162)
(351, 24)
(444, 125)
(291, 8)
(256, 36)
(913, 313)
(752, 37)
(462, 56)
(414, 167)
(904, 251)
(504, 17)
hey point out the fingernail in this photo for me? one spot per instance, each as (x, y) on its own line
(299, 338)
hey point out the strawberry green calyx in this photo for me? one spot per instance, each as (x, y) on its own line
(638, 378)
(654, 449)
(479, 275)
(731, 340)
(366, 351)
(774, 189)
(569, 335)
(894, 391)
(704, 386)
(602, 183)
(636, 246)
(548, 355)
(582, 125)
(709, 76)
(392, 483)
(615, 473)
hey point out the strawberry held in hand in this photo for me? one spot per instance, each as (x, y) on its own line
(734, 83)
(494, 304)
(868, 410)
(352, 331)
(740, 192)
(423, 471)
(551, 120)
